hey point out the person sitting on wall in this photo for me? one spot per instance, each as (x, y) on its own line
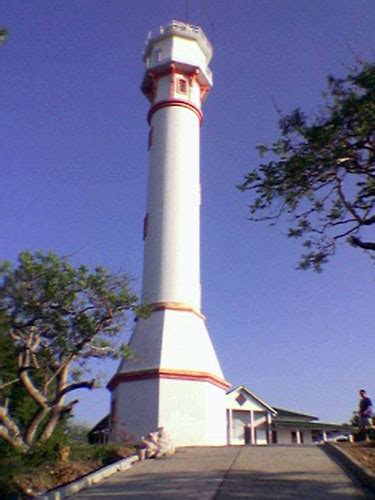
(365, 413)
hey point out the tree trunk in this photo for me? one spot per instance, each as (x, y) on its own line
(51, 425)
(34, 425)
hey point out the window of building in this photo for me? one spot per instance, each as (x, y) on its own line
(294, 437)
(301, 438)
(181, 86)
(241, 400)
(145, 227)
(150, 137)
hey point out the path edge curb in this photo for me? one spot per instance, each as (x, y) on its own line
(362, 473)
(88, 480)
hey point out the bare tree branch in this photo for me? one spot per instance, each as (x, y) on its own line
(365, 245)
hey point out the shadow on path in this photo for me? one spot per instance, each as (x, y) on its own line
(239, 484)
(228, 473)
(293, 484)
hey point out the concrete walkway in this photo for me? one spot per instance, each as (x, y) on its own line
(276, 472)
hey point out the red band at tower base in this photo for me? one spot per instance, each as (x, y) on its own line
(170, 374)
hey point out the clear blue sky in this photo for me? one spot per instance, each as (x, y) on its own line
(73, 152)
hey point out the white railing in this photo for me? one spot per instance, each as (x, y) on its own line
(178, 26)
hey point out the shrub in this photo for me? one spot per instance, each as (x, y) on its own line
(109, 453)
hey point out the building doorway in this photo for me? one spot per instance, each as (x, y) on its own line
(241, 421)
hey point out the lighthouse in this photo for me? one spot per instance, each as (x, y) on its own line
(174, 378)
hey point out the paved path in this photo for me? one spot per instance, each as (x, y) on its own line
(267, 472)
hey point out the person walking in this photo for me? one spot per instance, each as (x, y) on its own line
(365, 413)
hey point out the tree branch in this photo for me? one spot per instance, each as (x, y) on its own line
(23, 369)
(365, 245)
(10, 431)
(72, 387)
(33, 426)
(2, 386)
(59, 369)
(345, 202)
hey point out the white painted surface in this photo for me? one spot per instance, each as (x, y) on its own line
(284, 436)
(172, 254)
(192, 411)
(261, 436)
(164, 91)
(137, 404)
(190, 50)
(240, 419)
(249, 403)
(241, 397)
(172, 340)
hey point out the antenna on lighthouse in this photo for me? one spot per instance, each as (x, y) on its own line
(187, 9)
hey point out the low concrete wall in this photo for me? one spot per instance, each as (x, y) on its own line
(88, 480)
(362, 473)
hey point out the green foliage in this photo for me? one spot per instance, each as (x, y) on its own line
(77, 432)
(43, 454)
(54, 319)
(44, 461)
(10, 465)
(22, 407)
(108, 453)
(3, 34)
(68, 306)
(320, 173)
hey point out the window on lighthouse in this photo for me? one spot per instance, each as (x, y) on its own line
(181, 86)
(157, 55)
(150, 137)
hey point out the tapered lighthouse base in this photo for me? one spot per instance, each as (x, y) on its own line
(173, 381)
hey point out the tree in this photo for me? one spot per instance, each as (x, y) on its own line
(12, 393)
(54, 319)
(3, 34)
(320, 173)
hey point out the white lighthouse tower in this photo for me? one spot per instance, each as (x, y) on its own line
(174, 379)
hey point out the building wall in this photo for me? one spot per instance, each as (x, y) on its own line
(249, 403)
(192, 412)
(284, 436)
(177, 49)
(165, 90)
(137, 409)
(189, 52)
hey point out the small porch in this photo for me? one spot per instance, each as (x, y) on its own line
(249, 419)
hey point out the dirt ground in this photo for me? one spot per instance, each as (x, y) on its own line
(30, 483)
(52, 477)
(363, 452)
